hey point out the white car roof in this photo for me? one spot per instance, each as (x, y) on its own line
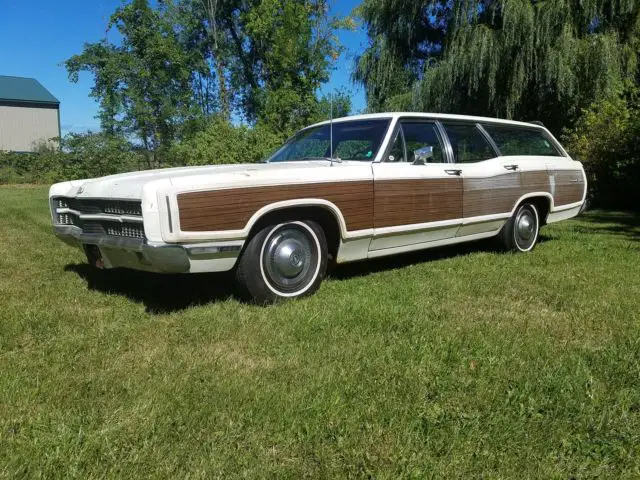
(437, 116)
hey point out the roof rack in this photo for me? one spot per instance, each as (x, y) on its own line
(537, 122)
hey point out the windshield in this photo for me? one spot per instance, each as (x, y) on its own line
(352, 140)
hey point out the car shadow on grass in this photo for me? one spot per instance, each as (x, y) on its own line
(167, 293)
(159, 293)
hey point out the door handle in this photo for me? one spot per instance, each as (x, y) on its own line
(511, 167)
(454, 171)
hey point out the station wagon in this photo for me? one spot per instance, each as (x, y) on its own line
(340, 191)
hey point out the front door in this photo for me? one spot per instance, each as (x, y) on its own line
(417, 192)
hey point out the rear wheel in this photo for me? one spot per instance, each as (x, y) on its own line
(286, 260)
(520, 233)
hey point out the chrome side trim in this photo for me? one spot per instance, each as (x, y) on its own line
(568, 206)
(169, 214)
(195, 250)
(101, 216)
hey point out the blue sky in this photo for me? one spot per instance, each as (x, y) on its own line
(37, 36)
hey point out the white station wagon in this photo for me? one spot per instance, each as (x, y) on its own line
(352, 189)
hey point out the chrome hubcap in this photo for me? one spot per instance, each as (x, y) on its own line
(525, 227)
(525, 231)
(290, 258)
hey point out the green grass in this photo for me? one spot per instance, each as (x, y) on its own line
(460, 362)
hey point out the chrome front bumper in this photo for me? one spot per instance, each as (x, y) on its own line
(141, 255)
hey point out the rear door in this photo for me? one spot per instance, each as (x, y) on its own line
(491, 183)
(418, 195)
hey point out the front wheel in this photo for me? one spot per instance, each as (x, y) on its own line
(520, 233)
(286, 260)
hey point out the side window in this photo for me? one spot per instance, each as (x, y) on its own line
(468, 143)
(418, 135)
(521, 141)
(354, 149)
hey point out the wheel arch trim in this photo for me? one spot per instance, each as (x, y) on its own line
(530, 195)
(298, 203)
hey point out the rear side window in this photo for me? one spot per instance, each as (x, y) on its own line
(521, 141)
(469, 143)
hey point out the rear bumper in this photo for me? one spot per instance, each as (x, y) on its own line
(139, 254)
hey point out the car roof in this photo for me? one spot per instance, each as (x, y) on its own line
(434, 116)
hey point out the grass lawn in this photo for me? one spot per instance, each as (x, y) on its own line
(458, 362)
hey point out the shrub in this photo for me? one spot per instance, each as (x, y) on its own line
(42, 167)
(82, 156)
(221, 142)
(606, 139)
(96, 155)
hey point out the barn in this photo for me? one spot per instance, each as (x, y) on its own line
(29, 115)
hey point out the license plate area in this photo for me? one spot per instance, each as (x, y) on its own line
(94, 256)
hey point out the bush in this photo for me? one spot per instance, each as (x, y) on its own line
(42, 167)
(221, 142)
(606, 139)
(95, 154)
(82, 156)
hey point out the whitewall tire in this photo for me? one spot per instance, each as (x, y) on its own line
(520, 233)
(283, 261)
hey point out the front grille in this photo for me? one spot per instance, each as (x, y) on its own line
(68, 211)
(125, 230)
(66, 219)
(96, 206)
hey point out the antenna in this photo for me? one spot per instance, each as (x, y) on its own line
(331, 129)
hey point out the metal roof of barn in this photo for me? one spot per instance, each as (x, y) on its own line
(24, 90)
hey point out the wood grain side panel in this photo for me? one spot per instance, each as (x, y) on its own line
(231, 209)
(569, 187)
(494, 195)
(535, 181)
(491, 195)
(406, 202)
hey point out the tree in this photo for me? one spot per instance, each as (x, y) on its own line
(269, 57)
(526, 59)
(337, 104)
(404, 36)
(181, 63)
(144, 85)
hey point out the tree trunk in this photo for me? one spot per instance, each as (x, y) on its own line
(212, 11)
(225, 109)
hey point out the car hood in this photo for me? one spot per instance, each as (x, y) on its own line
(129, 185)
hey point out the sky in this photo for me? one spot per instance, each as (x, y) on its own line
(37, 36)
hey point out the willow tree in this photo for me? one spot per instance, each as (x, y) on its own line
(523, 59)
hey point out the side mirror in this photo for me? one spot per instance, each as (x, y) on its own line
(422, 155)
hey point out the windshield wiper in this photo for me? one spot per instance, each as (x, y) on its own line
(329, 159)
